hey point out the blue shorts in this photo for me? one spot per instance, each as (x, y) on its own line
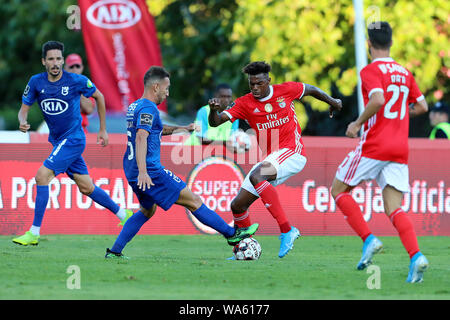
(164, 193)
(66, 157)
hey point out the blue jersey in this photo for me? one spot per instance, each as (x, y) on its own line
(59, 102)
(143, 114)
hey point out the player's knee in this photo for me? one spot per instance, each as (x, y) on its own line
(337, 188)
(334, 192)
(148, 212)
(255, 178)
(86, 189)
(43, 177)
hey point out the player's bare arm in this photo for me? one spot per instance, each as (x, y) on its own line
(418, 108)
(215, 118)
(102, 136)
(375, 103)
(335, 104)
(144, 181)
(168, 130)
(86, 105)
(22, 116)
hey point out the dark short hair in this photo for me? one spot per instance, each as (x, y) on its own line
(222, 86)
(256, 67)
(155, 73)
(380, 34)
(52, 45)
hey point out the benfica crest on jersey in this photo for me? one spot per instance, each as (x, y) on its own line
(281, 102)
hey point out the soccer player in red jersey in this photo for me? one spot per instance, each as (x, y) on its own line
(269, 110)
(382, 154)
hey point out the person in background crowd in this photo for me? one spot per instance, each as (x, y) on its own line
(208, 134)
(439, 115)
(74, 64)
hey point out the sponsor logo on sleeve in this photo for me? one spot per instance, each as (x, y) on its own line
(25, 92)
(146, 119)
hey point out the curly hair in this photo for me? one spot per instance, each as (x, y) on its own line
(257, 67)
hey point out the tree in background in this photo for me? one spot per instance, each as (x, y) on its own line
(310, 41)
(313, 41)
(205, 42)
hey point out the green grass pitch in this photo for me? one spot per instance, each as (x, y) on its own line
(195, 267)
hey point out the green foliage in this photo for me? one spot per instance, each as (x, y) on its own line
(205, 42)
(194, 39)
(312, 41)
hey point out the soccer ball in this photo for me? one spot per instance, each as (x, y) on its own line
(247, 249)
(241, 141)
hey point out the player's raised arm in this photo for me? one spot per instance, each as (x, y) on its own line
(22, 116)
(215, 119)
(335, 104)
(102, 136)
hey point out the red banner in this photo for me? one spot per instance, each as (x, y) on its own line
(305, 196)
(121, 44)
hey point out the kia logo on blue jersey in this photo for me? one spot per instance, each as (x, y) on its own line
(54, 106)
(113, 14)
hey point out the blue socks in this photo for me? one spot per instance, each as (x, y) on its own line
(42, 195)
(137, 220)
(130, 229)
(102, 198)
(213, 220)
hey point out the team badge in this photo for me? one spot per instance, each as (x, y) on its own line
(64, 91)
(268, 107)
(89, 84)
(281, 102)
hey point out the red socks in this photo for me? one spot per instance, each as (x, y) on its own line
(272, 203)
(352, 212)
(242, 220)
(405, 229)
(399, 219)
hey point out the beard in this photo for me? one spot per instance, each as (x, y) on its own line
(54, 71)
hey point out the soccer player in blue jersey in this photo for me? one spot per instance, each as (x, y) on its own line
(151, 182)
(58, 95)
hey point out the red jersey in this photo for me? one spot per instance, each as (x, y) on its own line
(385, 134)
(273, 117)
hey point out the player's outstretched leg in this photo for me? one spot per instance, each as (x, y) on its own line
(208, 217)
(130, 229)
(98, 195)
